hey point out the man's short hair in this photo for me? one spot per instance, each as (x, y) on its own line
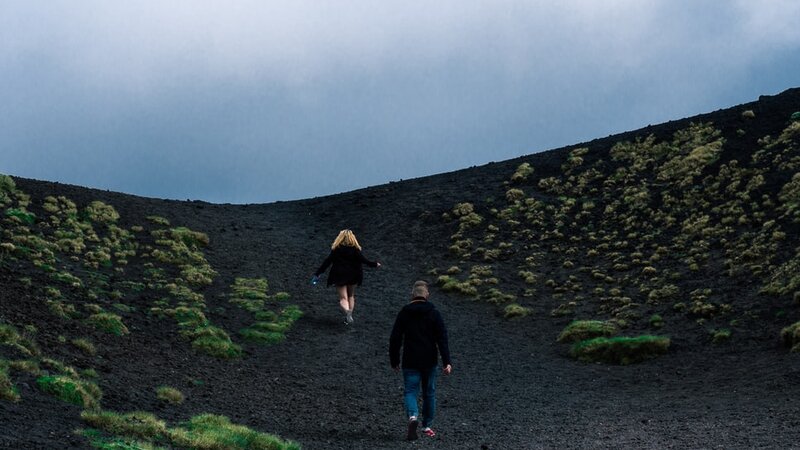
(420, 289)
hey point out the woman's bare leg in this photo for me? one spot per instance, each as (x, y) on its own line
(341, 291)
(351, 297)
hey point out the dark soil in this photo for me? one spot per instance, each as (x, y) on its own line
(330, 386)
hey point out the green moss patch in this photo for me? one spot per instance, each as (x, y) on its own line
(169, 395)
(108, 322)
(206, 431)
(7, 389)
(620, 350)
(71, 390)
(581, 330)
(791, 337)
(209, 431)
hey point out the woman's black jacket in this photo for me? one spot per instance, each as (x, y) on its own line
(346, 264)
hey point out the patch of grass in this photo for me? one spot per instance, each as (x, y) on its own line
(209, 431)
(108, 322)
(721, 335)
(158, 220)
(71, 390)
(85, 346)
(102, 442)
(21, 216)
(135, 424)
(202, 432)
(791, 337)
(581, 330)
(514, 311)
(620, 350)
(656, 321)
(10, 336)
(169, 395)
(215, 342)
(253, 333)
(100, 212)
(7, 389)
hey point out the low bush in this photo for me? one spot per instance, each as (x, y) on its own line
(581, 330)
(71, 390)
(138, 424)
(203, 432)
(514, 310)
(620, 350)
(85, 346)
(7, 389)
(721, 335)
(108, 322)
(791, 337)
(209, 431)
(169, 395)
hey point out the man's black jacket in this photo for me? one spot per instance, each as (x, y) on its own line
(419, 329)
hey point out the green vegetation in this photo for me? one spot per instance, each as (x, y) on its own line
(108, 322)
(581, 330)
(71, 389)
(8, 391)
(791, 337)
(620, 350)
(169, 395)
(206, 431)
(85, 346)
(270, 327)
(514, 310)
(637, 231)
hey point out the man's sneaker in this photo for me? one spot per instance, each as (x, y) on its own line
(428, 431)
(412, 428)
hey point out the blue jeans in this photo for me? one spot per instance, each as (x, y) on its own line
(412, 379)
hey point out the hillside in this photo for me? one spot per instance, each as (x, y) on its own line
(685, 231)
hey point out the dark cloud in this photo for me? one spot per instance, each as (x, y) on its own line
(253, 102)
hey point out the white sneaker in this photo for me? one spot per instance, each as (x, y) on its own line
(349, 318)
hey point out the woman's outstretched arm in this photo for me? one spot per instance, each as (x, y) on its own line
(324, 265)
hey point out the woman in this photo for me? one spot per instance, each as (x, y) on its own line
(346, 272)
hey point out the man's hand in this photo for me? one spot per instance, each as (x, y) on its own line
(378, 265)
(447, 369)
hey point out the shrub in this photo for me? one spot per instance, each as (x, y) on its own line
(620, 350)
(656, 321)
(169, 395)
(581, 330)
(71, 390)
(209, 431)
(795, 115)
(513, 195)
(7, 389)
(514, 310)
(158, 220)
(108, 322)
(748, 114)
(98, 211)
(215, 342)
(85, 346)
(791, 337)
(139, 424)
(721, 335)
(21, 216)
(522, 173)
(463, 209)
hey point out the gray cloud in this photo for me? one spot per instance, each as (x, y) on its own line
(252, 101)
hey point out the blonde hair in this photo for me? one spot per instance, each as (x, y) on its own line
(345, 237)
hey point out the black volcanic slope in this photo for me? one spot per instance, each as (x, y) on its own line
(687, 230)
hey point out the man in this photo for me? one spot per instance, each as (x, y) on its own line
(420, 330)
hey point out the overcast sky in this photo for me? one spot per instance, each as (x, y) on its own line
(257, 101)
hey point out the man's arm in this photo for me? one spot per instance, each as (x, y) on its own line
(395, 341)
(442, 343)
